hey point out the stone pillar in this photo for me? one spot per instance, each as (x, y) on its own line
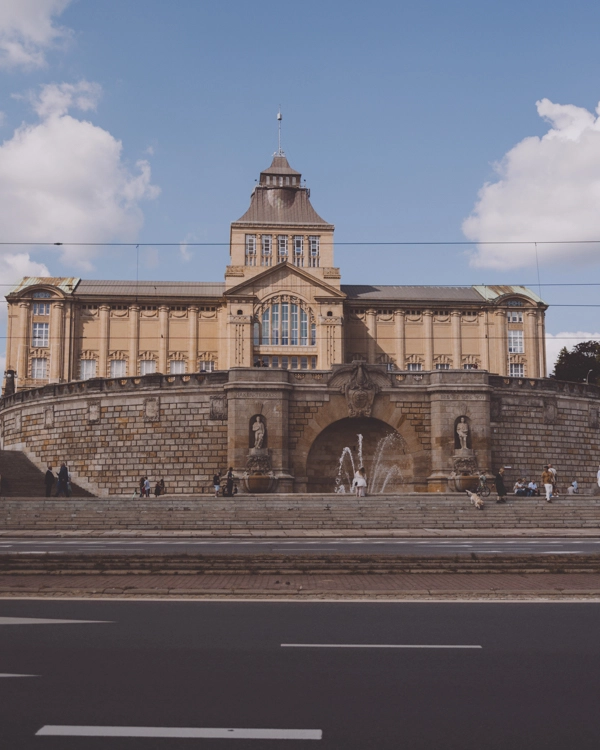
(428, 338)
(23, 345)
(371, 323)
(400, 340)
(484, 326)
(541, 342)
(455, 332)
(500, 342)
(67, 352)
(134, 339)
(163, 344)
(193, 339)
(330, 342)
(531, 344)
(56, 340)
(104, 313)
(239, 339)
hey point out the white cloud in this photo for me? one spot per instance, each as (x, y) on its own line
(64, 179)
(555, 342)
(548, 189)
(27, 31)
(184, 250)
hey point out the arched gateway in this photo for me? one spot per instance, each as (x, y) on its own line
(346, 445)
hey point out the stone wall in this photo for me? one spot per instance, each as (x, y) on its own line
(535, 422)
(111, 432)
(184, 428)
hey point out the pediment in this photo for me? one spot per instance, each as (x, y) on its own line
(284, 277)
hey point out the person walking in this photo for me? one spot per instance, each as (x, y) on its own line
(217, 484)
(229, 482)
(146, 487)
(547, 482)
(63, 480)
(49, 481)
(500, 488)
(552, 471)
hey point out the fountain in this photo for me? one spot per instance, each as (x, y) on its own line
(384, 470)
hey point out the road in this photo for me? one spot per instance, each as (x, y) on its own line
(335, 676)
(302, 546)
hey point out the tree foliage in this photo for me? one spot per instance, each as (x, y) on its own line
(579, 365)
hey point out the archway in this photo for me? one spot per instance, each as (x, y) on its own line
(345, 445)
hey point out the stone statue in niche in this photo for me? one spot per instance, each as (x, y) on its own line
(258, 428)
(462, 431)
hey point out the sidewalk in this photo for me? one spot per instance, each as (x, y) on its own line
(394, 586)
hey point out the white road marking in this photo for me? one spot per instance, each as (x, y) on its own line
(18, 675)
(369, 645)
(182, 732)
(45, 621)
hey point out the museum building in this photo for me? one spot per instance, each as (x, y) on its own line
(95, 367)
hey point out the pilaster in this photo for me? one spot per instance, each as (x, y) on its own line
(428, 338)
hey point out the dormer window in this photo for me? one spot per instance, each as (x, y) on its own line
(282, 248)
(266, 250)
(250, 249)
(298, 250)
(313, 247)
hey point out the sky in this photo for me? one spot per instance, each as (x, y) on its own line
(148, 122)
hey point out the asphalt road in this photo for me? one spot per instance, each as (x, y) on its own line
(302, 546)
(337, 676)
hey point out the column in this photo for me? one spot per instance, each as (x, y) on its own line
(22, 346)
(371, 323)
(541, 342)
(484, 327)
(163, 347)
(56, 340)
(500, 342)
(400, 340)
(531, 344)
(134, 339)
(193, 339)
(455, 332)
(428, 338)
(104, 312)
(67, 352)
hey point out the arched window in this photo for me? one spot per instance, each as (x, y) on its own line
(285, 322)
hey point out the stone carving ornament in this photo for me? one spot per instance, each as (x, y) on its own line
(218, 408)
(93, 411)
(258, 463)
(151, 409)
(360, 392)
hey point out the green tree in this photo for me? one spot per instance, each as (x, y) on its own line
(580, 365)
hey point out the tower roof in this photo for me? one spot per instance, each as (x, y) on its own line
(280, 165)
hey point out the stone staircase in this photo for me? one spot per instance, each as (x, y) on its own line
(418, 514)
(21, 478)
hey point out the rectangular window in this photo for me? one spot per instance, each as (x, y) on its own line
(265, 361)
(282, 248)
(390, 366)
(313, 247)
(177, 367)
(294, 331)
(298, 250)
(304, 363)
(275, 324)
(207, 366)
(470, 366)
(41, 334)
(41, 308)
(147, 367)
(39, 368)
(285, 307)
(267, 250)
(442, 366)
(313, 334)
(87, 369)
(515, 342)
(284, 363)
(294, 363)
(250, 249)
(274, 361)
(303, 328)
(313, 363)
(515, 316)
(118, 368)
(265, 326)
(414, 366)
(517, 371)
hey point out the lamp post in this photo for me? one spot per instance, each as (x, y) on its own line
(587, 377)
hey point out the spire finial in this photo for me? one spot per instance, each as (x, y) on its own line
(279, 119)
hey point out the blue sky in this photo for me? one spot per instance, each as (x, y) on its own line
(395, 113)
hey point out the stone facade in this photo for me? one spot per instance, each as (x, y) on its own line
(185, 428)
